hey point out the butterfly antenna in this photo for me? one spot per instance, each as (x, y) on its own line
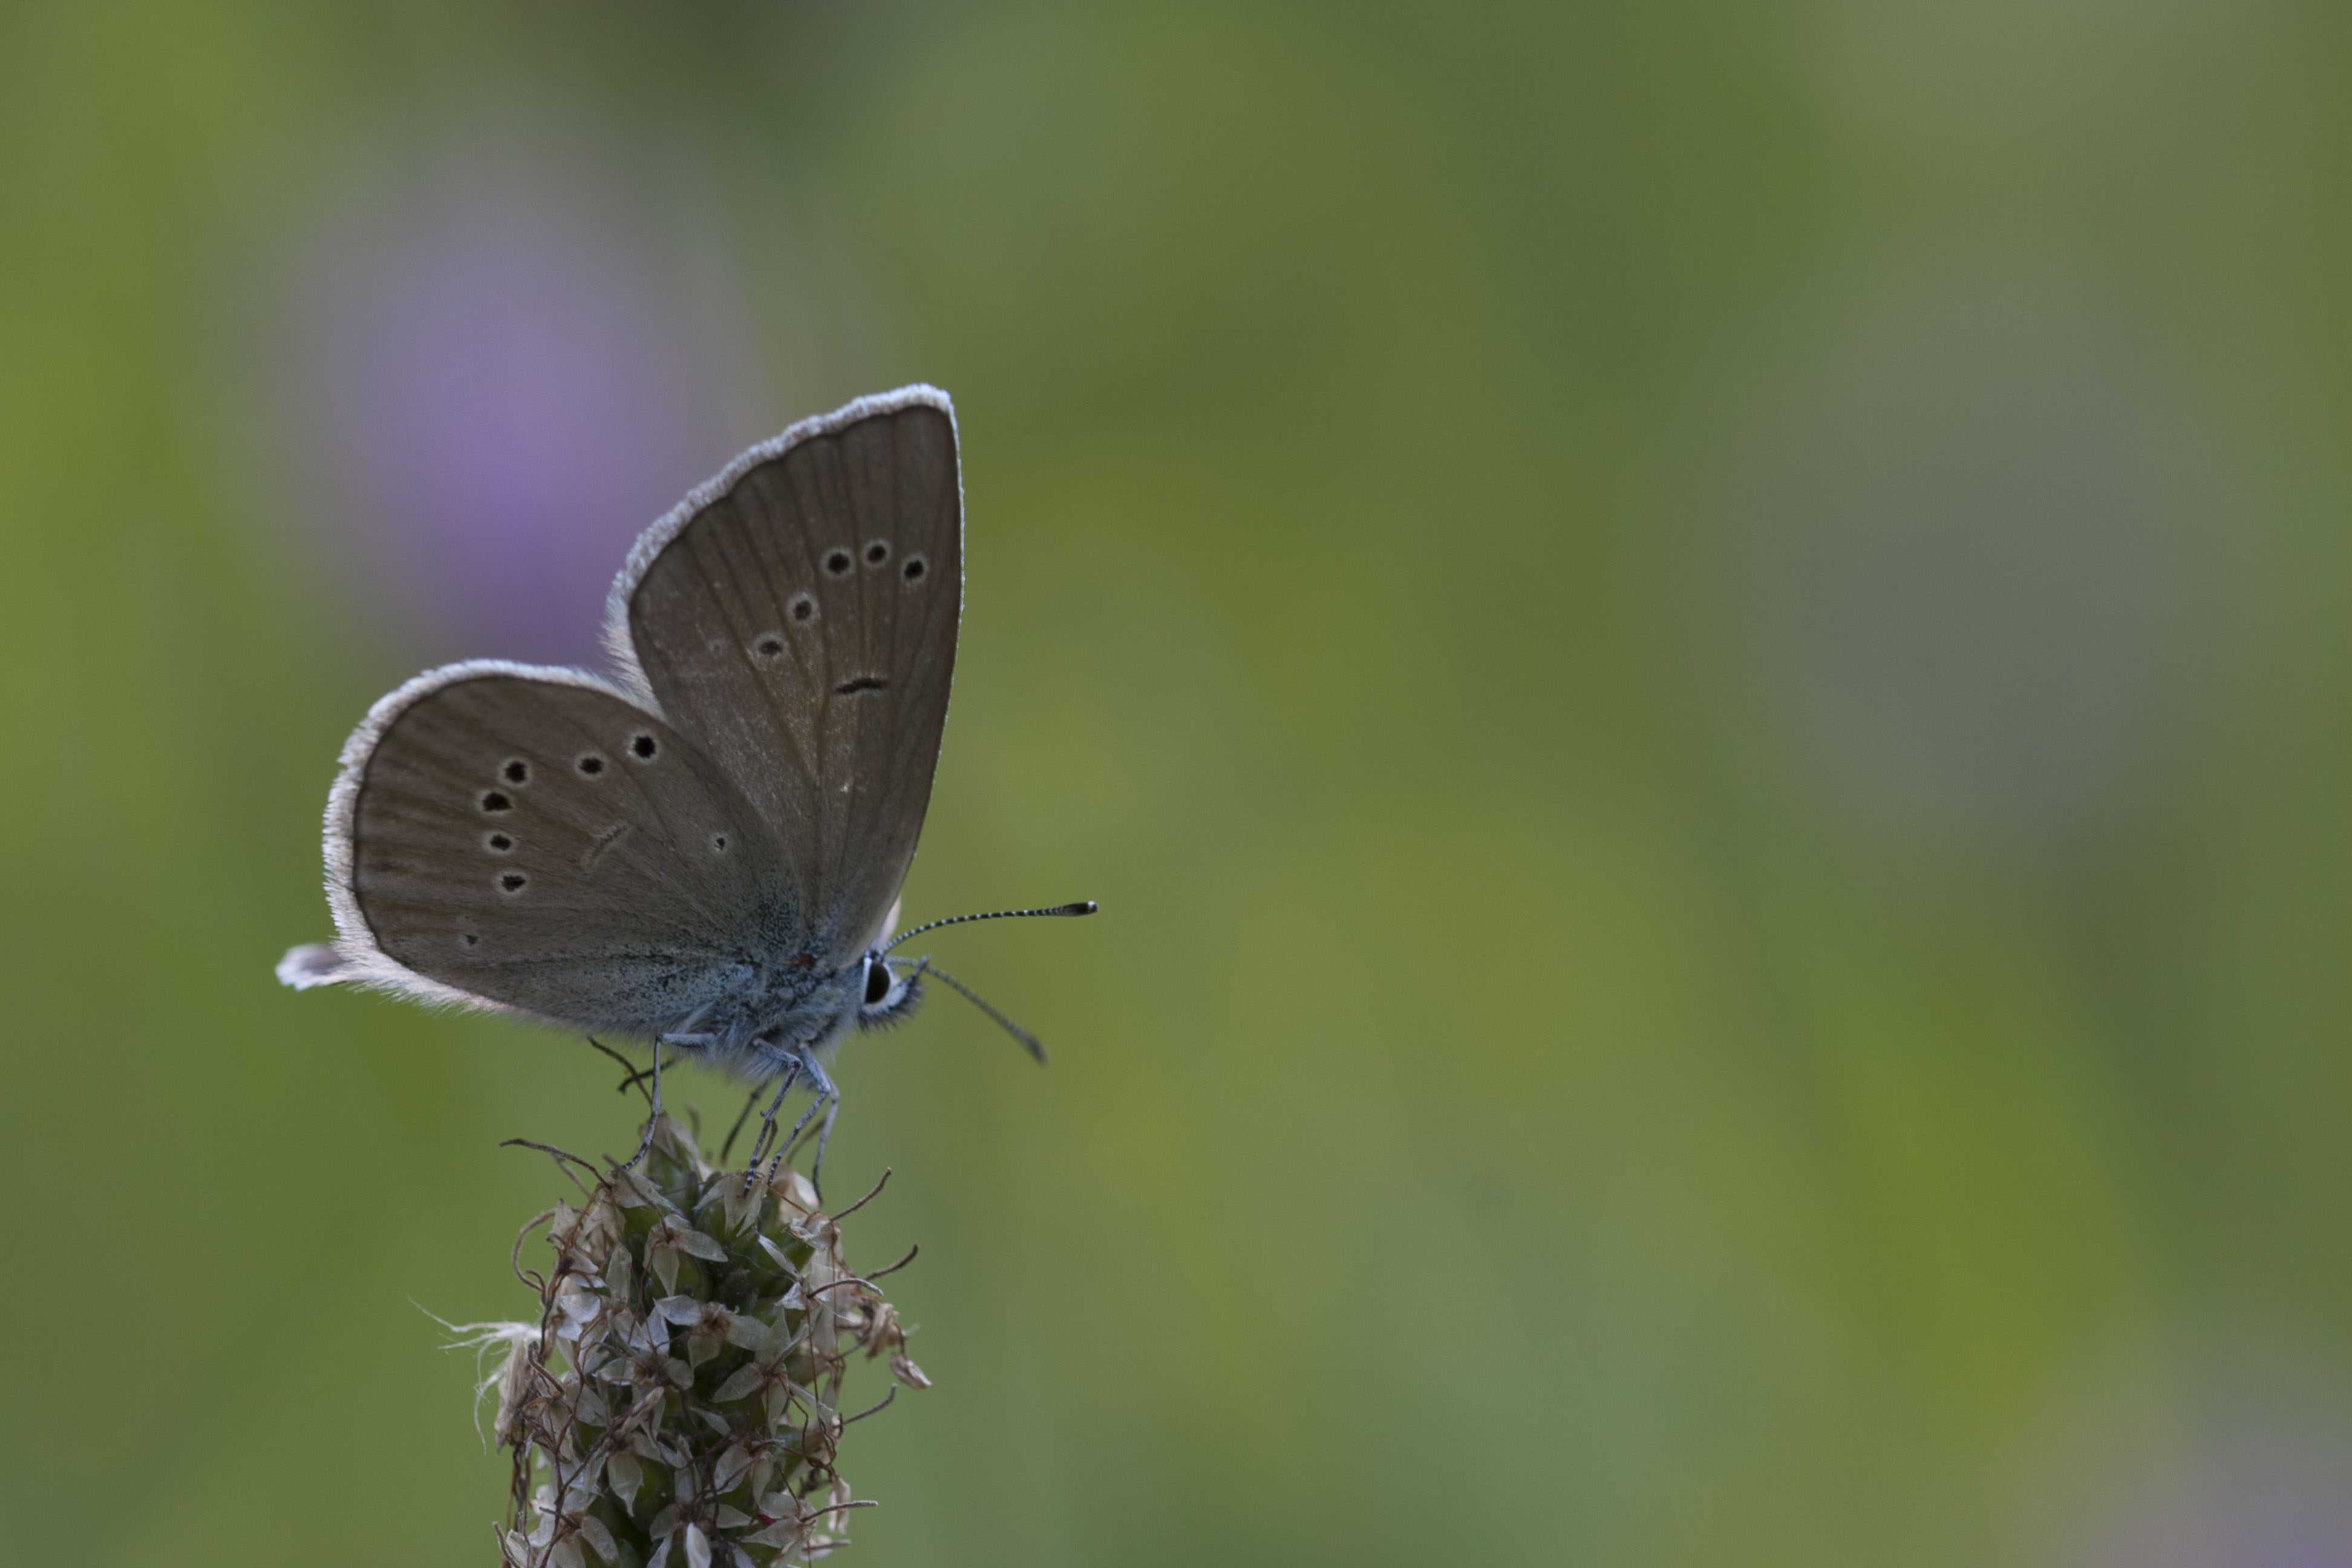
(1085, 907)
(1036, 1046)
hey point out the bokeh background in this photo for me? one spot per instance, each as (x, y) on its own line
(1699, 650)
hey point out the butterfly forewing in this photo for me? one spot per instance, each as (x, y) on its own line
(799, 623)
(546, 844)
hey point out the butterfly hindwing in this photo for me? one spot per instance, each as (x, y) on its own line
(797, 617)
(535, 839)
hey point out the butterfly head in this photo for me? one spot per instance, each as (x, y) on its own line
(891, 991)
(890, 996)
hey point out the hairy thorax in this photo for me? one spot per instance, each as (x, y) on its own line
(767, 1014)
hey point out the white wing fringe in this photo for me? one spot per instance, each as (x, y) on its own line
(315, 963)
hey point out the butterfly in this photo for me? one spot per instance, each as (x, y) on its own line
(705, 848)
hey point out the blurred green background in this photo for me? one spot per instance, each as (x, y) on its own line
(1698, 651)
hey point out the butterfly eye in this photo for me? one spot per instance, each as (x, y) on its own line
(497, 843)
(878, 982)
(878, 551)
(802, 609)
(645, 748)
(590, 765)
(913, 569)
(516, 771)
(493, 802)
(837, 563)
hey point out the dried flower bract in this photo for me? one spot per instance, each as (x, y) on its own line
(678, 1404)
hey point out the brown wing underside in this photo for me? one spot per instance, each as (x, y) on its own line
(802, 629)
(555, 848)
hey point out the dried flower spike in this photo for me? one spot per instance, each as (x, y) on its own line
(677, 1405)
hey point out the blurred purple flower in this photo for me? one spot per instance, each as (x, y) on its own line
(2255, 1473)
(497, 369)
(2251, 1499)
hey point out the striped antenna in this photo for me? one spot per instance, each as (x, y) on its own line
(1035, 1047)
(1085, 907)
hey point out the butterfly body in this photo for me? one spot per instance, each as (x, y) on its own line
(705, 848)
(762, 1018)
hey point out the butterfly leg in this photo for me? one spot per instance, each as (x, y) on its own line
(653, 1113)
(761, 1146)
(823, 1136)
(823, 1095)
(750, 1101)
